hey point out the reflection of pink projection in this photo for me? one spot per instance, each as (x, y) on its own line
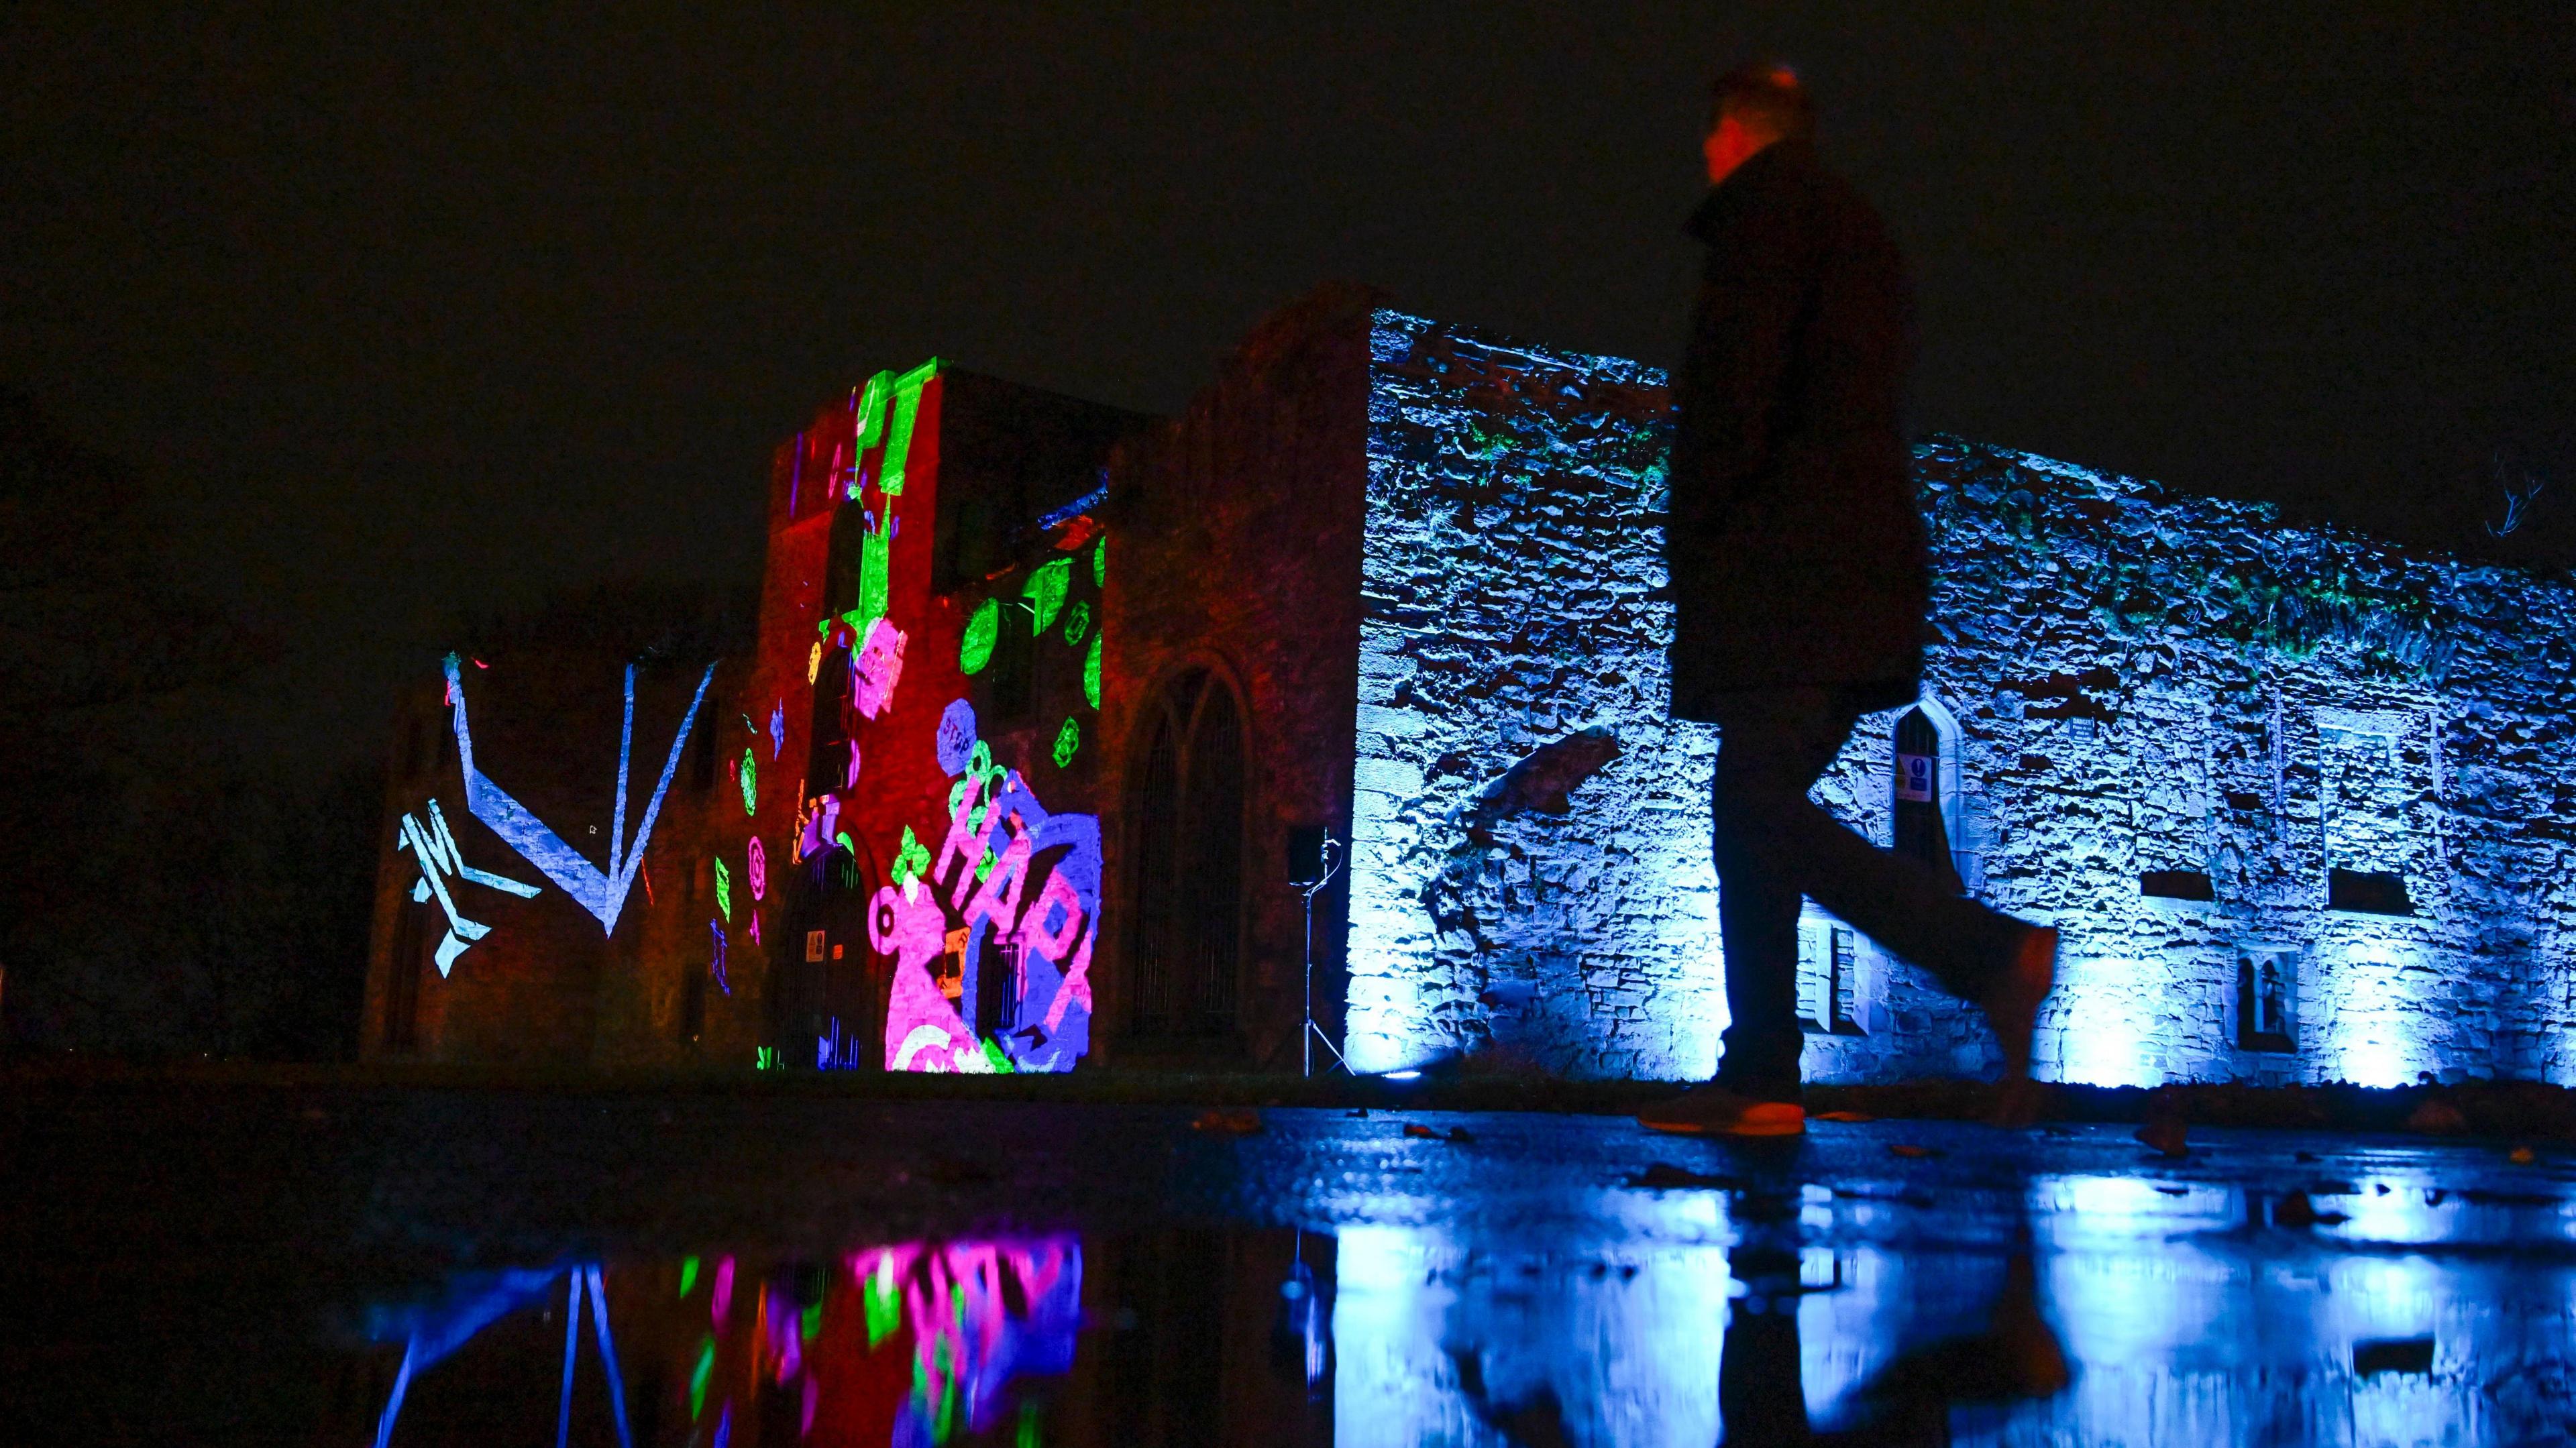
(875, 669)
(980, 1314)
(1054, 929)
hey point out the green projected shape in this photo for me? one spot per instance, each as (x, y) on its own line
(750, 783)
(982, 632)
(876, 565)
(1067, 740)
(698, 1378)
(688, 1274)
(898, 448)
(1091, 674)
(724, 891)
(911, 859)
(1077, 622)
(872, 409)
(1045, 592)
(1100, 564)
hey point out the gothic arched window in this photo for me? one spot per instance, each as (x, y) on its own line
(1188, 933)
(1918, 790)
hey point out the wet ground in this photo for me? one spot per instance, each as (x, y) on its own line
(423, 1266)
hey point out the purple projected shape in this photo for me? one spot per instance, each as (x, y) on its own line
(439, 856)
(601, 892)
(955, 742)
(777, 728)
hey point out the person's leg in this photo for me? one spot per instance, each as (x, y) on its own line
(1908, 906)
(1772, 745)
(1791, 846)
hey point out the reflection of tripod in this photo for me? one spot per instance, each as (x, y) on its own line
(1328, 860)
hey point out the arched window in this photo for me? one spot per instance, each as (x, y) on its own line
(1921, 790)
(1188, 940)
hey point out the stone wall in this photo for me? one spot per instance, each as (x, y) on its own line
(2202, 741)
(1235, 549)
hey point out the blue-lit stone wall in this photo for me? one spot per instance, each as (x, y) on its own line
(2142, 696)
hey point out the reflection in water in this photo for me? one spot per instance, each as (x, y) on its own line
(2376, 1310)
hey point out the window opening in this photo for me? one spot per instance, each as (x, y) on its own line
(1917, 788)
(2176, 885)
(2267, 991)
(1829, 979)
(1188, 941)
(2367, 892)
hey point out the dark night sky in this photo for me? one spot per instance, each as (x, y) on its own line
(417, 309)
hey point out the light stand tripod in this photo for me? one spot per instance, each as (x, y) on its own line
(1314, 1034)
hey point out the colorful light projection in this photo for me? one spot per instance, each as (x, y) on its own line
(1013, 887)
(601, 891)
(439, 857)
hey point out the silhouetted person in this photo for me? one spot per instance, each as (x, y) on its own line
(1799, 588)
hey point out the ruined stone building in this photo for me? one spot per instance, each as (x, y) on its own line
(1045, 694)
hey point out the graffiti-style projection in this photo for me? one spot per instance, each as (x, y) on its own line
(602, 892)
(983, 631)
(439, 858)
(750, 783)
(756, 868)
(1013, 888)
(875, 669)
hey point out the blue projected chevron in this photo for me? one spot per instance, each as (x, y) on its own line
(601, 892)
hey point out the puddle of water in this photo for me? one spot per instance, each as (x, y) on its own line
(1334, 1281)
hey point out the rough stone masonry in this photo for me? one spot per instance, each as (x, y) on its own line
(2300, 799)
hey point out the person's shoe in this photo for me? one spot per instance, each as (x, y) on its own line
(1712, 1110)
(2012, 1002)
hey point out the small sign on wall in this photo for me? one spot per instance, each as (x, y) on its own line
(813, 945)
(1914, 777)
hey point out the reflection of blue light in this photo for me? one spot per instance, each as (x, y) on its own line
(1404, 1075)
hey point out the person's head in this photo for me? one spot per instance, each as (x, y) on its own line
(1750, 107)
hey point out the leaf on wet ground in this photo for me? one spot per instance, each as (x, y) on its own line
(2165, 1136)
(1844, 1116)
(1458, 1134)
(1221, 1122)
(2438, 1118)
(1911, 1152)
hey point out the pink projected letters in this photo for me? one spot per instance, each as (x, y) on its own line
(980, 884)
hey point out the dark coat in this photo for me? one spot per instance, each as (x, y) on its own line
(1795, 551)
